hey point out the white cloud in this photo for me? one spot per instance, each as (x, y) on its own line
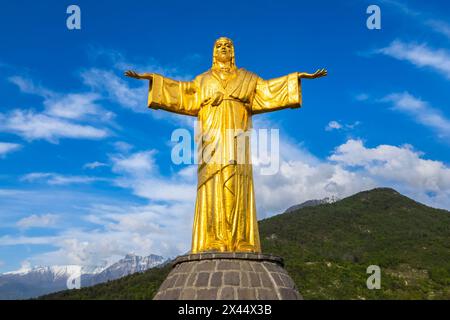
(303, 177)
(96, 228)
(439, 26)
(401, 6)
(118, 230)
(77, 115)
(421, 111)
(400, 167)
(116, 86)
(8, 240)
(33, 126)
(353, 125)
(76, 106)
(38, 221)
(333, 125)
(138, 172)
(159, 189)
(351, 167)
(401, 164)
(131, 93)
(362, 97)
(163, 226)
(420, 55)
(94, 165)
(122, 146)
(27, 86)
(117, 89)
(12, 192)
(114, 230)
(121, 63)
(58, 179)
(70, 203)
(6, 147)
(64, 115)
(189, 173)
(135, 164)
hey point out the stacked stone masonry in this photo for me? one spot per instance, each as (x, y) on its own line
(228, 276)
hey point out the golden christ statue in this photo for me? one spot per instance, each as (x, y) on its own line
(224, 99)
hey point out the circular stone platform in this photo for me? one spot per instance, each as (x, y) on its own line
(228, 276)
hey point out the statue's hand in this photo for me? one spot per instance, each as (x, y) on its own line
(134, 74)
(320, 73)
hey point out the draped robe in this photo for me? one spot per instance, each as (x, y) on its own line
(225, 212)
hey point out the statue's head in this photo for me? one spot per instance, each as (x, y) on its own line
(223, 52)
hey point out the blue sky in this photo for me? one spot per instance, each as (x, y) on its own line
(85, 169)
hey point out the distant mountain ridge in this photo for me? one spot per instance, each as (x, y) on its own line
(328, 247)
(31, 282)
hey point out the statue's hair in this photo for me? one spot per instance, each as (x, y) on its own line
(233, 61)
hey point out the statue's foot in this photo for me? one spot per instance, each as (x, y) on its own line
(245, 247)
(217, 246)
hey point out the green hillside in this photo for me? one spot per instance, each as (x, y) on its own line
(327, 249)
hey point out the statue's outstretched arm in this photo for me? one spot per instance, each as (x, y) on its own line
(319, 73)
(142, 76)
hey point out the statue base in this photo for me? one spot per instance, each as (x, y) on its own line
(228, 276)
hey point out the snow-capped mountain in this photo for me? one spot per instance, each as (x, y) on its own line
(312, 203)
(57, 272)
(28, 282)
(128, 265)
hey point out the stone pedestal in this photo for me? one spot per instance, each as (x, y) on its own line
(228, 276)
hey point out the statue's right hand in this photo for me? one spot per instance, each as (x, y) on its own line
(133, 74)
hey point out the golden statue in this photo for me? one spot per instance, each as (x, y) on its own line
(224, 99)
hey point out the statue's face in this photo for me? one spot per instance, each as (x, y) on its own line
(223, 50)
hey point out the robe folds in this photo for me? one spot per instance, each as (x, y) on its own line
(225, 211)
